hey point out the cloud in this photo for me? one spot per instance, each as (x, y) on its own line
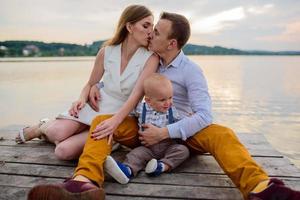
(226, 23)
(219, 21)
(290, 33)
(259, 10)
(228, 18)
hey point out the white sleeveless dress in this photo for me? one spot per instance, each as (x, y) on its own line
(117, 88)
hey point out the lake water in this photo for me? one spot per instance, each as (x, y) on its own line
(250, 94)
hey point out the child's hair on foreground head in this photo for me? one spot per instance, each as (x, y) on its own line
(156, 83)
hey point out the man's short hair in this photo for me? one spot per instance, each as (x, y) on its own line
(181, 30)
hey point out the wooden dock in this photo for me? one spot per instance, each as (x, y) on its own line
(23, 166)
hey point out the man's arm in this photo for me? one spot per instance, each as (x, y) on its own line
(200, 101)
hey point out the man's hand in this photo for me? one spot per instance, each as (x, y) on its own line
(94, 97)
(152, 134)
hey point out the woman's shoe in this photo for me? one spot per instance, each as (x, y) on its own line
(32, 132)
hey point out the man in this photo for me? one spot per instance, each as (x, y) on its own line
(191, 95)
(191, 98)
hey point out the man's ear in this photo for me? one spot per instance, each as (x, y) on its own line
(129, 27)
(172, 44)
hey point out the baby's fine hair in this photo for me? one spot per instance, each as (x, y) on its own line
(154, 82)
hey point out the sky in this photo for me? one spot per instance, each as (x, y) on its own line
(248, 25)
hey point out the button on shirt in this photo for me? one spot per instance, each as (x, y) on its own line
(190, 96)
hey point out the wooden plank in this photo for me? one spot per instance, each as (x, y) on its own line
(135, 189)
(157, 189)
(168, 178)
(25, 181)
(293, 183)
(35, 170)
(40, 155)
(13, 193)
(179, 179)
(197, 164)
(171, 191)
(200, 177)
(207, 164)
(255, 143)
(32, 143)
(19, 193)
(255, 150)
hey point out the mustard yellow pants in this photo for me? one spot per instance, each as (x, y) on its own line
(218, 140)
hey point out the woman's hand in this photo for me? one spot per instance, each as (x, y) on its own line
(106, 129)
(76, 107)
(94, 97)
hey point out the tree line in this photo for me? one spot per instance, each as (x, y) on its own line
(42, 49)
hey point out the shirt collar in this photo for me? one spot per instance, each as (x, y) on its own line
(176, 62)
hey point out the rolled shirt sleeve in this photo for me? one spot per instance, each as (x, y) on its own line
(190, 96)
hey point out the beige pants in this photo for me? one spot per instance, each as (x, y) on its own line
(167, 151)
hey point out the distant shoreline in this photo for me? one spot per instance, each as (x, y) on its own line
(91, 58)
(17, 49)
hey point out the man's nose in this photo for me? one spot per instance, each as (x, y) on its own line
(151, 34)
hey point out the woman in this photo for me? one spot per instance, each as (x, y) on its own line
(122, 64)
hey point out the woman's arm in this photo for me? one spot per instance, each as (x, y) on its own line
(95, 77)
(138, 91)
(94, 97)
(108, 126)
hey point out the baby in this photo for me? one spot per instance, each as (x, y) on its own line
(164, 156)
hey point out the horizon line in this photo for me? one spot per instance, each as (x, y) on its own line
(47, 42)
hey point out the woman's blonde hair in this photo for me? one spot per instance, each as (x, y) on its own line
(131, 14)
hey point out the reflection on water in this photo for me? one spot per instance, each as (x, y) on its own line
(257, 95)
(252, 94)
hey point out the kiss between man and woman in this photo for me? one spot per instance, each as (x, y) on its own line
(125, 64)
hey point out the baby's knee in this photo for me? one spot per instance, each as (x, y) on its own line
(184, 150)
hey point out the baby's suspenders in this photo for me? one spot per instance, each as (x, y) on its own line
(144, 111)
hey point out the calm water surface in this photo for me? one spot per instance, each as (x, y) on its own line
(250, 94)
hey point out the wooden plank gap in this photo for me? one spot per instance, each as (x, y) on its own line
(71, 165)
(145, 196)
(174, 184)
(32, 175)
(282, 176)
